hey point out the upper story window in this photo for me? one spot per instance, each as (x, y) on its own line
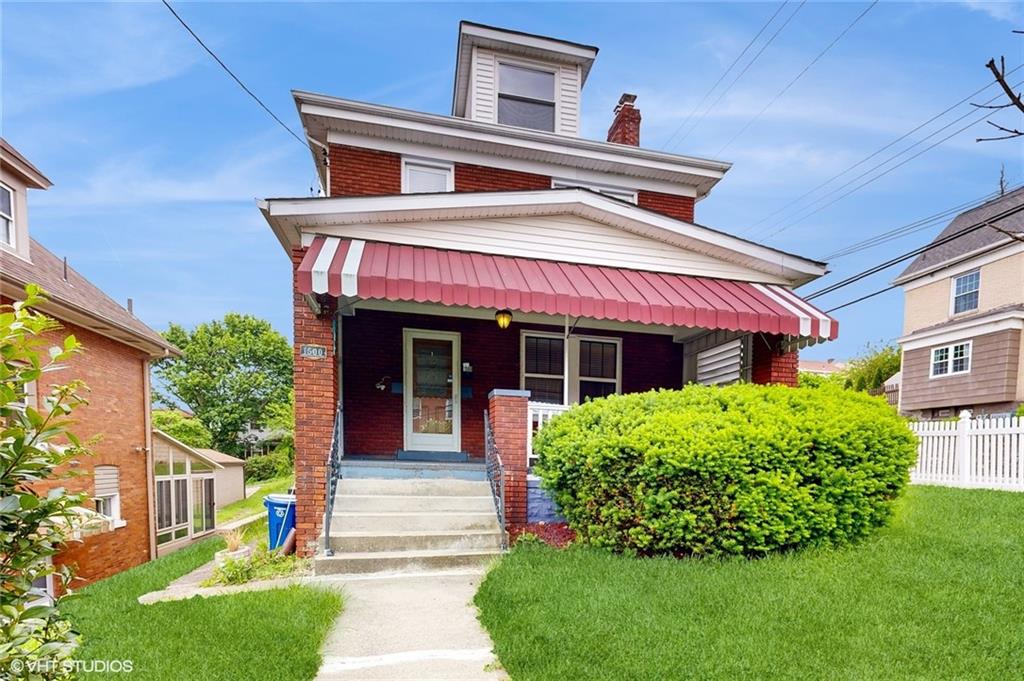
(422, 176)
(951, 360)
(526, 97)
(965, 292)
(6, 215)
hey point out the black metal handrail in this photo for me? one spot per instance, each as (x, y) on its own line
(337, 452)
(495, 476)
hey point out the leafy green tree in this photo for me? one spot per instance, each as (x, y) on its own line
(36, 518)
(806, 379)
(280, 419)
(1020, 410)
(873, 368)
(230, 372)
(183, 428)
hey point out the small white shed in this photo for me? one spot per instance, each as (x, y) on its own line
(230, 479)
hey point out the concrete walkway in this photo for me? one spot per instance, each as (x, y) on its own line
(409, 626)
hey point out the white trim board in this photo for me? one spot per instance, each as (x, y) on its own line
(971, 328)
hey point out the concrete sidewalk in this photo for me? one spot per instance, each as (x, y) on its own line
(409, 626)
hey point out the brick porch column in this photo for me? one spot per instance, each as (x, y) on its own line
(770, 363)
(508, 412)
(316, 391)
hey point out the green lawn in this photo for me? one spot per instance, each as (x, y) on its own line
(253, 504)
(264, 635)
(938, 594)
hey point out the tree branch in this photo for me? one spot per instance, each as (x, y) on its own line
(999, 73)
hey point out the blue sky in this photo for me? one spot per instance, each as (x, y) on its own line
(157, 156)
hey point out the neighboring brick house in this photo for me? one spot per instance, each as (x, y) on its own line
(963, 316)
(115, 365)
(457, 264)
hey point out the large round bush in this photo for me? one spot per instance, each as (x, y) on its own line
(744, 469)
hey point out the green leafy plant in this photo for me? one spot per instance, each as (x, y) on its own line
(873, 368)
(267, 466)
(740, 470)
(262, 564)
(806, 379)
(37, 517)
(182, 427)
(1020, 410)
(280, 420)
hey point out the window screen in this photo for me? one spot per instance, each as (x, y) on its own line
(526, 97)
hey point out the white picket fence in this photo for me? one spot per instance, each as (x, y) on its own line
(538, 414)
(982, 452)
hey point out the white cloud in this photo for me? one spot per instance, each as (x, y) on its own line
(1000, 11)
(65, 51)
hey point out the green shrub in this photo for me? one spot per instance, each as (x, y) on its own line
(741, 470)
(267, 466)
(1020, 410)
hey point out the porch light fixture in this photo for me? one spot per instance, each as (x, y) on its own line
(504, 318)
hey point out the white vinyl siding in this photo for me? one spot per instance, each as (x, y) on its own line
(722, 364)
(483, 90)
(564, 238)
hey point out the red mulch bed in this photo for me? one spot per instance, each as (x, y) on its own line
(553, 534)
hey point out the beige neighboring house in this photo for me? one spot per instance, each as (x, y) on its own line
(229, 479)
(964, 316)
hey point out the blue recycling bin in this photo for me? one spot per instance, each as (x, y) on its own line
(280, 517)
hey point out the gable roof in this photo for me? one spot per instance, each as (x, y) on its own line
(291, 218)
(13, 159)
(219, 457)
(77, 300)
(198, 453)
(974, 242)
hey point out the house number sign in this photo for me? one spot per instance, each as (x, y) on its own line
(313, 351)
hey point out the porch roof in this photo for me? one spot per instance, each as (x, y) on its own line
(351, 268)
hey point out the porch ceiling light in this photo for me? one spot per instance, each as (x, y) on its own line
(504, 318)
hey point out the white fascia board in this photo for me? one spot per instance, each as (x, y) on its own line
(483, 133)
(961, 263)
(466, 205)
(969, 328)
(570, 50)
(188, 450)
(289, 237)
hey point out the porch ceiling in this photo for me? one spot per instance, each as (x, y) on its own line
(380, 271)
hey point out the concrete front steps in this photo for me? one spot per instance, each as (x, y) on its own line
(411, 524)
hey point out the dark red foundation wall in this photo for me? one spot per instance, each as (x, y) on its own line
(372, 350)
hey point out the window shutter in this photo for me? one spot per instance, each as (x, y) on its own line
(107, 483)
(722, 364)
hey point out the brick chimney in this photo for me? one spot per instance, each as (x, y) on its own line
(625, 129)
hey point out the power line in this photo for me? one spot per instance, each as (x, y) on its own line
(735, 80)
(724, 74)
(882, 174)
(861, 299)
(917, 251)
(798, 77)
(877, 152)
(233, 76)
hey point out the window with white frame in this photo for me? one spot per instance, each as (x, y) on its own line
(614, 192)
(598, 368)
(543, 362)
(951, 359)
(185, 501)
(27, 398)
(6, 215)
(42, 588)
(965, 292)
(107, 494)
(595, 367)
(422, 176)
(526, 97)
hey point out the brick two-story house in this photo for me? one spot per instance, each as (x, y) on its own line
(493, 260)
(964, 315)
(114, 365)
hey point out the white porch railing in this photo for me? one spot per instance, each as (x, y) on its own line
(538, 415)
(982, 452)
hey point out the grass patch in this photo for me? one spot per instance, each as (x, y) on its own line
(935, 595)
(253, 504)
(272, 635)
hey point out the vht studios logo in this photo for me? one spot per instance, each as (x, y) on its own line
(30, 668)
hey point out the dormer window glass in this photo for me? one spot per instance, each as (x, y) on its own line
(526, 97)
(6, 215)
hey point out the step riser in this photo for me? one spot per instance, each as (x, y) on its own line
(339, 564)
(414, 487)
(430, 542)
(413, 523)
(410, 504)
(410, 472)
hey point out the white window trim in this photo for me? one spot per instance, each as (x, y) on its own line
(14, 223)
(573, 369)
(535, 66)
(606, 189)
(952, 293)
(188, 476)
(436, 164)
(949, 359)
(48, 599)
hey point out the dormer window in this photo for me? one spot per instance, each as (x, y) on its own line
(526, 97)
(6, 215)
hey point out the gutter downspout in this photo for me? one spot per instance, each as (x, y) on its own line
(325, 185)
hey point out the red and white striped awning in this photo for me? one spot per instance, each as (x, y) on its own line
(353, 268)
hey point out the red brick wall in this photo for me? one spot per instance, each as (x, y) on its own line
(679, 207)
(116, 376)
(769, 365)
(508, 415)
(472, 178)
(372, 350)
(364, 172)
(315, 402)
(625, 127)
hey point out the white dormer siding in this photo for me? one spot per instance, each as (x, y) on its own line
(485, 87)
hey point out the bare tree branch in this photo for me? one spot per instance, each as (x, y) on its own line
(1000, 74)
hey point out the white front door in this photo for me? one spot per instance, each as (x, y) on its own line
(432, 391)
